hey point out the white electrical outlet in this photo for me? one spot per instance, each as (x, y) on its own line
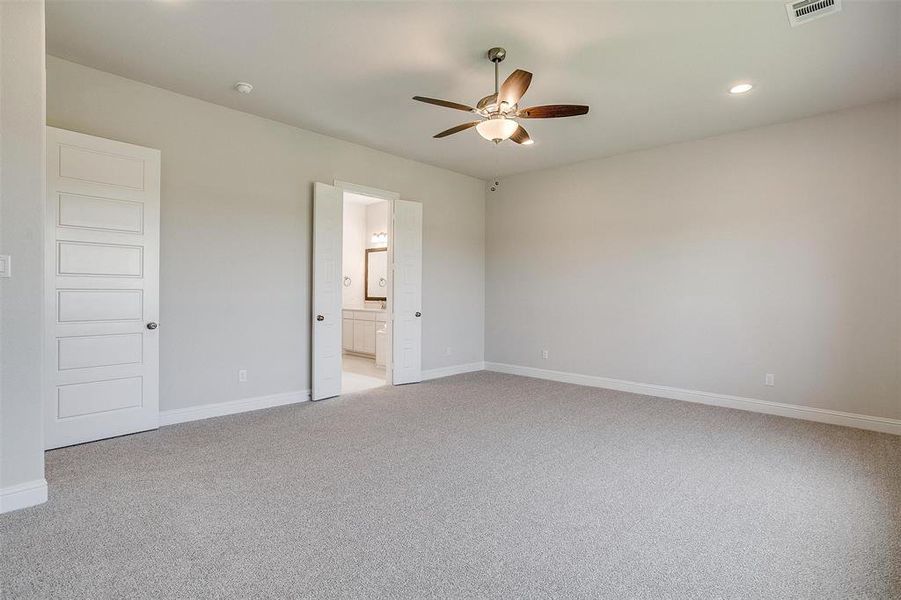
(544, 354)
(242, 375)
(770, 379)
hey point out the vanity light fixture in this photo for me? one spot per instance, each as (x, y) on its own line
(379, 238)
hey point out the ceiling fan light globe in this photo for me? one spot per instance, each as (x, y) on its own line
(496, 130)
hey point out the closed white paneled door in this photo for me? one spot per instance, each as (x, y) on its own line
(102, 288)
(327, 314)
(407, 296)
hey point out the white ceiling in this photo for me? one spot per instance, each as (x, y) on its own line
(652, 72)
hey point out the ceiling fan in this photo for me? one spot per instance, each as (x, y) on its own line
(498, 111)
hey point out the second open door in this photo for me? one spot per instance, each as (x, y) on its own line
(407, 298)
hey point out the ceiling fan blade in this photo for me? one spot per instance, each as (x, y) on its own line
(444, 103)
(514, 87)
(456, 129)
(552, 111)
(486, 101)
(521, 136)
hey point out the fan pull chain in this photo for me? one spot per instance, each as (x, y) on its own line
(495, 179)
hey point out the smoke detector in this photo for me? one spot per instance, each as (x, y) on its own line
(243, 87)
(809, 10)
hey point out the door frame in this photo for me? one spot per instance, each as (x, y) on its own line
(390, 197)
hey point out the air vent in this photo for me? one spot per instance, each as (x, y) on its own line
(808, 10)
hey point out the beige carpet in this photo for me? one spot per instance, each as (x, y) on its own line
(474, 486)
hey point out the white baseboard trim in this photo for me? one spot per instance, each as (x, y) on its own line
(806, 413)
(452, 370)
(23, 495)
(220, 409)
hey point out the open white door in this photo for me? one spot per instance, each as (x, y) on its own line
(407, 295)
(326, 325)
(101, 288)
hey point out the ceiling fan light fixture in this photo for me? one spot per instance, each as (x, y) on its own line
(497, 113)
(497, 129)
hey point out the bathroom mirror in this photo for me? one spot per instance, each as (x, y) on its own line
(376, 274)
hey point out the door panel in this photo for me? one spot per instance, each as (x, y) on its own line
(328, 213)
(113, 168)
(100, 305)
(100, 213)
(105, 260)
(89, 351)
(407, 296)
(80, 399)
(102, 288)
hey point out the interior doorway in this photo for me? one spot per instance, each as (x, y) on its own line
(365, 340)
(366, 326)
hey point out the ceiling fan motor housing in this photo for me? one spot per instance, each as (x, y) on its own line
(497, 55)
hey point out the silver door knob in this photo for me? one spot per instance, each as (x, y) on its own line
(418, 314)
(320, 318)
(151, 325)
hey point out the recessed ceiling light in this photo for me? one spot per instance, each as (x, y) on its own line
(741, 88)
(243, 87)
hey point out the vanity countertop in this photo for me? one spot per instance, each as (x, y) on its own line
(366, 309)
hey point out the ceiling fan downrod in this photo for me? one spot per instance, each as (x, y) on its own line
(497, 56)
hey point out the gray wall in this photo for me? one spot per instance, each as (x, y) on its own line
(21, 235)
(708, 264)
(235, 234)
